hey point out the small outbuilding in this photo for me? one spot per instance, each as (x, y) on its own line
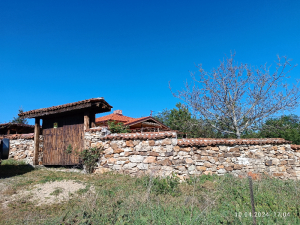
(15, 128)
(63, 127)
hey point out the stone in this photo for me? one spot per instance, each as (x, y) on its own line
(142, 166)
(181, 168)
(165, 162)
(129, 165)
(188, 149)
(221, 171)
(128, 154)
(204, 158)
(235, 149)
(153, 154)
(191, 168)
(207, 164)
(215, 148)
(108, 151)
(227, 155)
(189, 161)
(268, 163)
(117, 167)
(111, 160)
(114, 146)
(178, 161)
(136, 158)
(228, 168)
(167, 154)
(119, 150)
(278, 174)
(166, 141)
(237, 167)
(176, 148)
(101, 170)
(151, 143)
(150, 159)
(201, 168)
(129, 143)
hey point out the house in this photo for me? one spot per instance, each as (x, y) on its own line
(143, 124)
(15, 128)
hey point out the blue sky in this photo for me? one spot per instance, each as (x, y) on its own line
(57, 52)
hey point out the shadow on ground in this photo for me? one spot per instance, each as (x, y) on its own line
(14, 170)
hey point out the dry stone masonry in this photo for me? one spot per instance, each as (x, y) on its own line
(21, 147)
(162, 154)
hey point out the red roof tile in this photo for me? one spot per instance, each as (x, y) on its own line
(211, 141)
(115, 117)
(64, 106)
(18, 136)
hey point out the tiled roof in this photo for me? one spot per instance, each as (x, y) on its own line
(295, 147)
(15, 124)
(212, 141)
(18, 136)
(64, 106)
(116, 117)
(144, 136)
(137, 120)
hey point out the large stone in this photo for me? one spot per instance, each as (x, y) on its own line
(268, 163)
(221, 171)
(176, 148)
(111, 160)
(166, 141)
(189, 161)
(188, 149)
(237, 167)
(129, 143)
(178, 161)
(201, 168)
(165, 162)
(128, 154)
(191, 168)
(142, 166)
(108, 151)
(129, 165)
(150, 159)
(153, 154)
(114, 146)
(207, 164)
(119, 150)
(181, 168)
(102, 170)
(235, 149)
(136, 158)
(151, 143)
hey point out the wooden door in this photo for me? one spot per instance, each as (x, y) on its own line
(69, 132)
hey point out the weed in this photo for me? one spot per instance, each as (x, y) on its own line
(57, 191)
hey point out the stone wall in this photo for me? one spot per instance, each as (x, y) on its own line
(162, 154)
(21, 147)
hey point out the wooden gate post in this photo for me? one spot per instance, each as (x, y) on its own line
(93, 119)
(86, 120)
(36, 141)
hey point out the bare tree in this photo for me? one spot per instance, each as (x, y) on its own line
(236, 97)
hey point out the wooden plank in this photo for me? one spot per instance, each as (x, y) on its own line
(36, 141)
(93, 119)
(86, 120)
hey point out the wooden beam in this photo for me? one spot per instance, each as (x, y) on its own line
(36, 141)
(86, 120)
(93, 119)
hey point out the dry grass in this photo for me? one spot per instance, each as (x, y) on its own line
(121, 199)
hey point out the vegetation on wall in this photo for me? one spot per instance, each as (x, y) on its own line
(119, 127)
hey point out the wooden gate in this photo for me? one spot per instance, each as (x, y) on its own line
(60, 136)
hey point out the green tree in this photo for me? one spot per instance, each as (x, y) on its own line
(182, 120)
(287, 127)
(115, 127)
(18, 119)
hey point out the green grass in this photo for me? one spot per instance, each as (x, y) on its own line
(121, 199)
